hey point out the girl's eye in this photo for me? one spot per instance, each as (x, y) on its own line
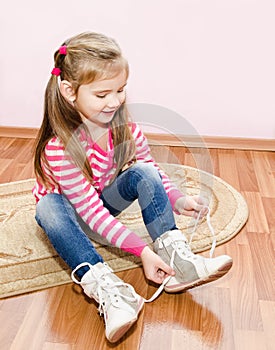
(104, 95)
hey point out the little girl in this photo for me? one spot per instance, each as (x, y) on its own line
(91, 163)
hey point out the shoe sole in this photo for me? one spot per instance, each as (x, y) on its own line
(182, 287)
(119, 333)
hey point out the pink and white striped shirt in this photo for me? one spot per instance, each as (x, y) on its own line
(84, 196)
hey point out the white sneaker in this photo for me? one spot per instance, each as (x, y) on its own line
(118, 301)
(191, 270)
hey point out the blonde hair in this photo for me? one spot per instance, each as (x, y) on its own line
(89, 56)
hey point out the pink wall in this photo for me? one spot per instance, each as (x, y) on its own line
(211, 63)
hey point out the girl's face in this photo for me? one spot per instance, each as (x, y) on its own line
(99, 100)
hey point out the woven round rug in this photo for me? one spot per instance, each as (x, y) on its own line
(29, 263)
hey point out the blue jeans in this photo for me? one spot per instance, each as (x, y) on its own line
(65, 229)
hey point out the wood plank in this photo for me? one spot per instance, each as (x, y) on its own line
(228, 168)
(26, 171)
(246, 339)
(268, 316)
(179, 154)
(214, 153)
(57, 346)
(31, 333)
(19, 150)
(12, 314)
(271, 160)
(247, 176)
(263, 265)
(264, 174)
(202, 159)
(189, 339)
(244, 295)
(6, 143)
(5, 174)
(269, 205)
(161, 157)
(257, 221)
(216, 313)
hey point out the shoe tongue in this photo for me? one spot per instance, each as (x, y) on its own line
(177, 235)
(97, 271)
(103, 271)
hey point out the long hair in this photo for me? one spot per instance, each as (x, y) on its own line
(90, 56)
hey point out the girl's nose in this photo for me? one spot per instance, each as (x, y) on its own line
(113, 102)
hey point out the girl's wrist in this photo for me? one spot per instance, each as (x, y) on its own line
(144, 251)
(178, 204)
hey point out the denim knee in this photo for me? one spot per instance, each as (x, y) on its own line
(48, 209)
(57, 217)
(147, 171)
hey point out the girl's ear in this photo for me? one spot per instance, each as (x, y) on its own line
(67, 91)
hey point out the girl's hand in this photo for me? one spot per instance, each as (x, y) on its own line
(192, 206)
(155, 269)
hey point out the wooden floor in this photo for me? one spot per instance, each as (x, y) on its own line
(235, 312)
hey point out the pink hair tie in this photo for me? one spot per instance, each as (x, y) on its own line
(56, 71)
(63, 50)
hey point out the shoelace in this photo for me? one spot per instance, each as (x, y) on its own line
(187, 250)
(208, 220)
(104, 286)
(165, 281)
(108, 288)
